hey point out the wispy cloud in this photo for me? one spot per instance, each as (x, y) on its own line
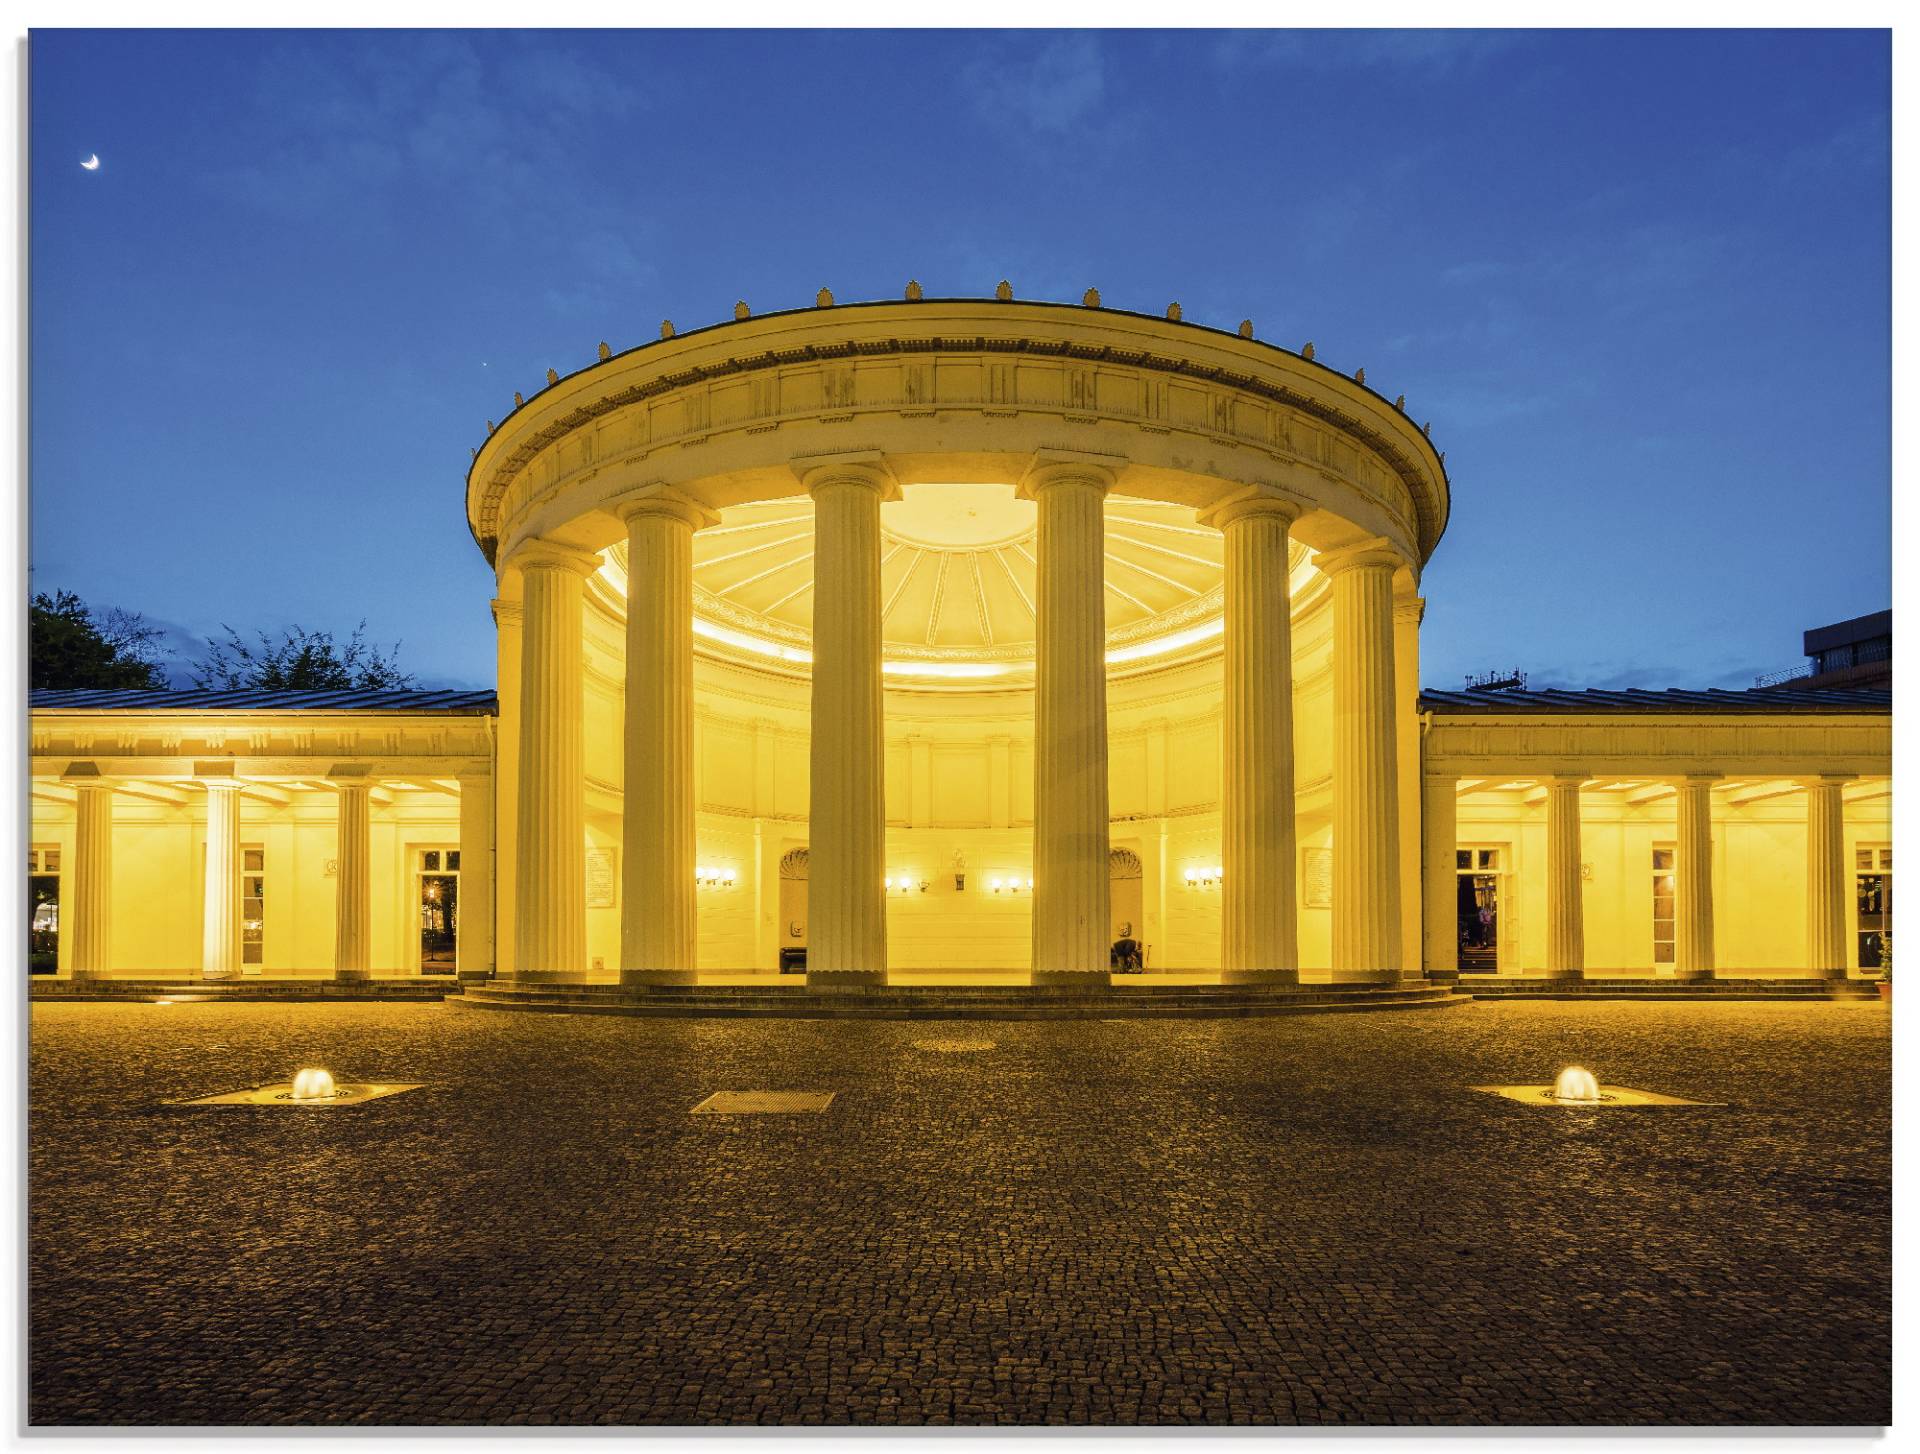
(1056, 88)
(1431, 52)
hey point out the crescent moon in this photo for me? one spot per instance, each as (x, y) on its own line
(92, 163)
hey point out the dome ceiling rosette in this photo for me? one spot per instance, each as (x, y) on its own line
(958, 577)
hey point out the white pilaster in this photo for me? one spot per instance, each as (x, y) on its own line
(846, 893)
(474, 946)
(1439, 819)
(659, 911)
(1693, 877)
(1366, 795)
(92, 913)
(1566, 917)
(550, 920)
(1071, 897)
(1259, 921)
(1828, 878)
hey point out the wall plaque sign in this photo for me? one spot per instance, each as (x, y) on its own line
(1316, 875)
(599, 878)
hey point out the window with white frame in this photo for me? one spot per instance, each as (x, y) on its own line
(1873, 904)
(1663, 899)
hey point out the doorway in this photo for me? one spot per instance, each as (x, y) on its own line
(43, 910)
(1477, 910)
(439, 899)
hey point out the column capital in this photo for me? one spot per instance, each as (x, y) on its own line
(1696, 779)
(350, 775)
(1064, 466)
(217, 774)
(1569, 778)
(862, 467)
(1828, 779)
(542, 554)
(1377, 553)
(1256, 504)
(669, 504)
(507, 613)
(1409, 609)
(83, 775)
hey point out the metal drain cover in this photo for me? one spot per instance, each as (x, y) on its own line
(1611, 1097)
(953, 1047)
(282, 1095)
(763, 1103)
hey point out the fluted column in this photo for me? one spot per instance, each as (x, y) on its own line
(507, 616)
(1828, 879)
(353, 884)
(846, 865)
(1259, 927)
(220, 935)
(1366, 794)
(1693, 878)
(550, 920)
(92, 913)
(1408, 611)
(1566, 921)
(473, 948)
(1071, 919)
(658, 918)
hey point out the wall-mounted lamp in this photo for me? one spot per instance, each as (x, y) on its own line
(904, 884)
(1205, 878)
(1010, 885)
(714, 878)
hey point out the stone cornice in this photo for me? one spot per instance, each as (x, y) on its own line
(1238, 367)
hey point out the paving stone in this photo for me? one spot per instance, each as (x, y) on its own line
(1299, 1220)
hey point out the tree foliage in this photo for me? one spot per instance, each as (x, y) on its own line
(69, 646)
(300, 660)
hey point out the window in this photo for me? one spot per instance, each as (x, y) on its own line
(43, 909)
(253, 910)
(1873, 905)
(1663, 905)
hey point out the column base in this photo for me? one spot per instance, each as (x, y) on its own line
(846, 979)
(1072, 979)
(352, 976)
(89, 976)
(1574, 975)
(1366, 976)
(550, 976)
(1693, 976)
(1834, 975)
(634, 979)
(1288, 977)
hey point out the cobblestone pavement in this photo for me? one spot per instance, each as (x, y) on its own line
(1308, 1219)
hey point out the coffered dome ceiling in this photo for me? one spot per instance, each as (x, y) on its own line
(957, 581)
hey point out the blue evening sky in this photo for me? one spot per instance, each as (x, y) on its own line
(1638, 281)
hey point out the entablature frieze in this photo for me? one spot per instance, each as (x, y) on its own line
(1266, 404)
(1659, 748)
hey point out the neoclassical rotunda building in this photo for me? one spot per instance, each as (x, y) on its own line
(931, 640)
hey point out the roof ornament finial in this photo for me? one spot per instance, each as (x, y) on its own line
(1004, 292)
(823, 299)
(1090, 298)
(741, 311)
(1307, 352)
(517, 400)
(1359, 376)
(552, 378)
(605, 352)
(476, 454)
(1401, 403)
(666, 328)
(489, 426)
(913, 290)
(1173, 312)
(1427, 429)
(1246, 328)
